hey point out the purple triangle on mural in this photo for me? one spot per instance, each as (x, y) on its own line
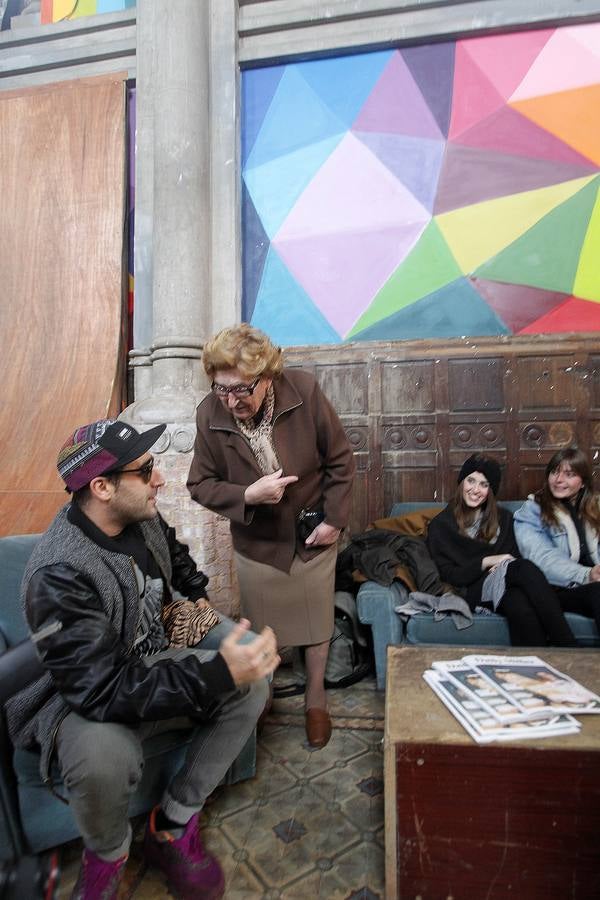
(507, 131)
(432, 67)
(518, 305)
(396, 105)
(414, 161)
(470, 175)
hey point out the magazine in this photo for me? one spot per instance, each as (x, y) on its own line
(534, 685)
(487, 695)
(483, 727)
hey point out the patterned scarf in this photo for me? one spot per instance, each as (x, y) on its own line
(260, 437)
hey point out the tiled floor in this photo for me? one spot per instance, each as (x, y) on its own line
(309, 825)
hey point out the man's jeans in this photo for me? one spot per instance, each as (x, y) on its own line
(102, 762)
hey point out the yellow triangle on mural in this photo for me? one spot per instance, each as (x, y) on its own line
(571, 116)
(477, 233)
(84, 8)
(61, 9)
(587, 277)
(69, 9)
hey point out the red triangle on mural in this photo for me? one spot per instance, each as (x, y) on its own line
(517, 305)
(474, 96)
(507, 131)
(573, 315)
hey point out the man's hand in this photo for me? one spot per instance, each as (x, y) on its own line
(268, 489)
(249, 662)
(322, 536)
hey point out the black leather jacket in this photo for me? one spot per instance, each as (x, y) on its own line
(90, 666)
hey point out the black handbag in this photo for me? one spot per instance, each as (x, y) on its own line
(307, 521)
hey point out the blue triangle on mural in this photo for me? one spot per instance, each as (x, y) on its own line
(343, 83)
(256, 245)
(452, 311)
(284, 310)
(258, 88)
(291, 174)
(432, 67)
(296, 118)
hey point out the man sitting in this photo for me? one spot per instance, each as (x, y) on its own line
(96, 587)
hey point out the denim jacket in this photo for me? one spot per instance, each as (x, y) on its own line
(554, 548)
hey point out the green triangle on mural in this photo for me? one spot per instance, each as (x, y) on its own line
(430, 265)
(547, 255)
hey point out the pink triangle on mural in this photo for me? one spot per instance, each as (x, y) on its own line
(506, 58)
(517, 305)
(572, 315)
(507, 131)
(564, 65)
(475, 97)
(396, 105)
(351, 265)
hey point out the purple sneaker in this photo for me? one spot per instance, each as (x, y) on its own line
(98, 879)
(192, 873)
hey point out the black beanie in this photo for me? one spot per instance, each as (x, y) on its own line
(485, 465)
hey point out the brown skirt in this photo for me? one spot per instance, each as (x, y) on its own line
(297, 605)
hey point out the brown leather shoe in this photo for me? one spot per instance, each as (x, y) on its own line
(318, 726)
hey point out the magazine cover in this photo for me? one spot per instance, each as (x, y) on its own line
(534, 685)
(484, 728)
(487, 694)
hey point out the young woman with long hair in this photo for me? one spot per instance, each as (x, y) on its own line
(558, 529)
(473, 544)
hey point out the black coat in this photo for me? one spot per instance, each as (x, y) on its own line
(379, 552)
(459, 557)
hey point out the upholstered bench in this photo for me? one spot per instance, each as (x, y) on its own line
(376, 607)
(33, 819)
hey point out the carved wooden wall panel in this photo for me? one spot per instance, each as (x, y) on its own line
(415, 410)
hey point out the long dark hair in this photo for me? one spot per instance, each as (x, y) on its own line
(587, 501)
(464, 515)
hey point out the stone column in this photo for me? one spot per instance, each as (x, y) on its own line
(186, 242)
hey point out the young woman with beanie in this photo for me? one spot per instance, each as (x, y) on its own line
(558, 529)
(473, 544)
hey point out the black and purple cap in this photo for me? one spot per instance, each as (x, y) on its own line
(102, 447)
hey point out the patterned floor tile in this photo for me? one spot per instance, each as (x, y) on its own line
(291, 748)
(287, 836)
(357, 874)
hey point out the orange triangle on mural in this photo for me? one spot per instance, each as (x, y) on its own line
(567, 115)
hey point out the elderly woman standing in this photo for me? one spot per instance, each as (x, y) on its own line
(269, 447)
(558, 528)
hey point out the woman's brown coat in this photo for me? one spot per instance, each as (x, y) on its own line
(310, 442)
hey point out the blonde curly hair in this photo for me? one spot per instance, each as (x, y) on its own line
(244, 348)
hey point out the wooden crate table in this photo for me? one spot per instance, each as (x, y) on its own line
(467, 821)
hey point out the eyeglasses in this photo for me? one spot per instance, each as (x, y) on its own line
(144, 472)
(238, 390)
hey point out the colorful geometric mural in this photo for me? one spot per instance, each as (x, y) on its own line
(57, 10)
(433, 191)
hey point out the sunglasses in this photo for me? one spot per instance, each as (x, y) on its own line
(238, 390)
(144, 472)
